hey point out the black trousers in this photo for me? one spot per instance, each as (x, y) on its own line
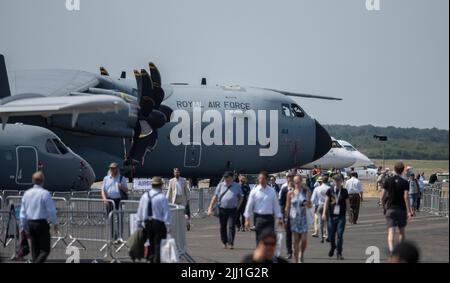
(155, 231)
(355, 203)
(288, 236)
(240, 218)
(39, 233)
(227, 219)
(263, 223)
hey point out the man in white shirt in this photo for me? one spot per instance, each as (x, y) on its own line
(263, 203)
(178, 193)
(355, 192)
(154, 214)
(36, 209)
(318, 199)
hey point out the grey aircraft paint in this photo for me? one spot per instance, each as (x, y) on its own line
(101, 138)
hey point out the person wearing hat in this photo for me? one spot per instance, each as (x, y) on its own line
(285, 189)
(154, 215)
(113, 186)
(228, 198)
(178, 193)
(336, 205)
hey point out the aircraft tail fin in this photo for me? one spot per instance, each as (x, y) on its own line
(4, 83)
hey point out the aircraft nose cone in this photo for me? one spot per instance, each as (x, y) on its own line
(85, 178)
(323, 142)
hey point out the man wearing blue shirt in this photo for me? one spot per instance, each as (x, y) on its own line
(36, 209)
(112, 186)
(228, 196)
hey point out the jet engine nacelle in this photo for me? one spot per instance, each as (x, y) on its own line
(109, 124)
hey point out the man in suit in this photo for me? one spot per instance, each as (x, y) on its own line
(178, 193)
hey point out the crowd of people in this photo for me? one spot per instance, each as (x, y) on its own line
(322, 202)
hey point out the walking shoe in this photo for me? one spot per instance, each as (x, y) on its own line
(322, 241)
(301, 260)
(289, 256)
(188, 226)
(340, 257)
(231, 247)
(331, 252)
(315, 235)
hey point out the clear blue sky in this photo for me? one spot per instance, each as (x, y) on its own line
(390, 66)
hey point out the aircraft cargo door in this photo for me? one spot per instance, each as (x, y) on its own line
(192, 155)
(27, 164)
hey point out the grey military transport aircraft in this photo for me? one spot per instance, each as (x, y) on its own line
(148, 127)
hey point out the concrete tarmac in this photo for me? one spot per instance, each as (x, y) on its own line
(429, 232)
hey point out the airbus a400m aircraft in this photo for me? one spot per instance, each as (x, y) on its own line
(151, 128)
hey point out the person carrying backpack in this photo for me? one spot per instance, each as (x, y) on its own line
(154, 215)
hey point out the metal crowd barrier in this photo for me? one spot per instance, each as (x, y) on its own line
(86, 224)
(89, 226)
(200, 199)
(126, 215)
(435, 200)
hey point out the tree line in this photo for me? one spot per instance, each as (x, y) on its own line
(403, 143)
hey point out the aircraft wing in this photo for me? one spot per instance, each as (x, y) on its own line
(304, 95)
(30, 105)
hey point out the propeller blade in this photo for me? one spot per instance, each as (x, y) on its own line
(140, 146)
(158, 96)
(156, 76)
(156, 119)
(145, 129)
(138, 77)
(104, 72)
(146, 101)
(166, 110)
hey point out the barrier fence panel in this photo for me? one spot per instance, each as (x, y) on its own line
(89, 227)
(10, 225)
(126, 215)
(435, 199)
(200, 200)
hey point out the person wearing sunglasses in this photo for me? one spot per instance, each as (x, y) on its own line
(265, 250)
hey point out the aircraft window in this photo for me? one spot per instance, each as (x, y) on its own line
(335, 144)
(51, 147)
(286, 110)
(350, 148)
(62, 147)
(297, 111)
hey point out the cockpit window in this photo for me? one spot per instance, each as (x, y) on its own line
(51, 147)
(335, 144)
(286, 110)
(297, 111)
(350, 148)
(61, 147)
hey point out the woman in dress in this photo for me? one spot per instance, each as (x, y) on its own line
(297, 204)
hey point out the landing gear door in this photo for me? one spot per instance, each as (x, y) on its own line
(27, 164)
(192, 155)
